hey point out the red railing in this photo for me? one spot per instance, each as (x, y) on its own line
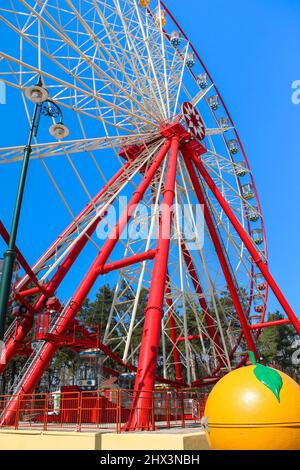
(102, 409)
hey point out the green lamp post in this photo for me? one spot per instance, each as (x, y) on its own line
(43, 105)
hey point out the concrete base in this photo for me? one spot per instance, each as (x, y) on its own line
(52, 440)
(155, 441)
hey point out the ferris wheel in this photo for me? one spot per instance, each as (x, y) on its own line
(145, 161)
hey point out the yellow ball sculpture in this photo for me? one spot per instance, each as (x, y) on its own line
(254, 408)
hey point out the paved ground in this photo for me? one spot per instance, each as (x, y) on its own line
(162, 428)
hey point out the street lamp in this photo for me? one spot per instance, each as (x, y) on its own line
(59, 131)
(39, 95)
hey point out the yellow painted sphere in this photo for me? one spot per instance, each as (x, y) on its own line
(245, 414)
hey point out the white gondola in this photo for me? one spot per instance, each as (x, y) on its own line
(160, 18)
(252, 214)
(260, 282)
(248, 191)
(175, 38)
(241, 169)
(213, 102)
(190, 60)
(202, 81)
(259, 302)
(233, 146)
(257, 235)
(224, 122)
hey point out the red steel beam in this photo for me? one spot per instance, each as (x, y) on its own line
(190, 338)
(129, 261)
(259, 326)
(140, 416)
(30, 292)
(219, 250)
(49, 349)
(248, 244)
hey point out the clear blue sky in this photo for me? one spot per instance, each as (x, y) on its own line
(251, 48)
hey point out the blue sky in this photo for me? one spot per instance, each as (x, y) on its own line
(251, 49)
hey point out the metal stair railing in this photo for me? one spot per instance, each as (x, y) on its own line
(25, 371)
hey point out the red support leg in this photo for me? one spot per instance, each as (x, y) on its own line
(220, 253)
(37, 369)
(173, 333)
(249, 245)
(140, 417)
(211, 331)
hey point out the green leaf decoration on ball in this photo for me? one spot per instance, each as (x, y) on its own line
(269, 377)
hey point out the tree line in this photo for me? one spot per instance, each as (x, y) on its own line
(277, 346)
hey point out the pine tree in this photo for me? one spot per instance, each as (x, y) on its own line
(276, 346)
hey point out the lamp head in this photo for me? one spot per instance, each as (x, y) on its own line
(37, 94)
(59, 131)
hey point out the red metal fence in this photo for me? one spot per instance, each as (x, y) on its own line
(102, 409)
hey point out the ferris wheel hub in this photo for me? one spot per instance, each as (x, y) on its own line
(193, 121)
(185, 136)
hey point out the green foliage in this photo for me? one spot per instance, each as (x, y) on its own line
(97, 312)
(275, 346)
